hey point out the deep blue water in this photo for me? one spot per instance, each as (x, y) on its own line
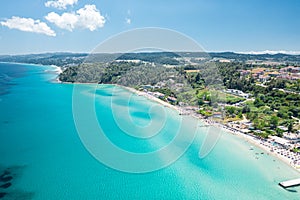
(7, 74)
(48, 158)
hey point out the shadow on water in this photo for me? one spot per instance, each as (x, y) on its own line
(142, 115)
(104, 93)
(8, 178)
(291, 190)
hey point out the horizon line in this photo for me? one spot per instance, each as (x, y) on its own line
(264, 52)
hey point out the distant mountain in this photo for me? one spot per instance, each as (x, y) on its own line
(263, 57)
(59, 59)
(171, 58)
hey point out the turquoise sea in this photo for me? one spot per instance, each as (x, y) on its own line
(42, 156)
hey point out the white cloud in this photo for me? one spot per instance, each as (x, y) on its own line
(28, 25)
(60, 4)
(87, 17)
(65, 21)
(128, 21)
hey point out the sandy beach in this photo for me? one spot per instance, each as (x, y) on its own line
(150, 97)
(264, 145)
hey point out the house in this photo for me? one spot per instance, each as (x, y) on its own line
(158, 95)
(264, 78)
(217, 115)
(273, 74)
(247, 125)
(244, 72)
(258, 71)
(172, 99)
(290, 69)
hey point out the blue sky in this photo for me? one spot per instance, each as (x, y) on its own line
(34, 26)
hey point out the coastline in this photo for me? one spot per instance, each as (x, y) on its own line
(148, 96)
(251, 139)
(248, 138)
(57, 70)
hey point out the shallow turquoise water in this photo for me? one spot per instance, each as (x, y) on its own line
(40, 144)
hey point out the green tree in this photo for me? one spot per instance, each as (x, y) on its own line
(274, 122)
(290, 126)
(258, 102)
(279, 132)
(230, 109)
(246, 109)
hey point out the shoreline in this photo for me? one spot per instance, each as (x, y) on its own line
(248, 138)
(57, 70)
(148, 96)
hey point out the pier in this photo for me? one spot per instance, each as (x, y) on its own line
(290, 183)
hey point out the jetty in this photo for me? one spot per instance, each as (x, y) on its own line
(290, 183)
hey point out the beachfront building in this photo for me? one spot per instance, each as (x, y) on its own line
(217, 115)
(158, 95)
(171, 99)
